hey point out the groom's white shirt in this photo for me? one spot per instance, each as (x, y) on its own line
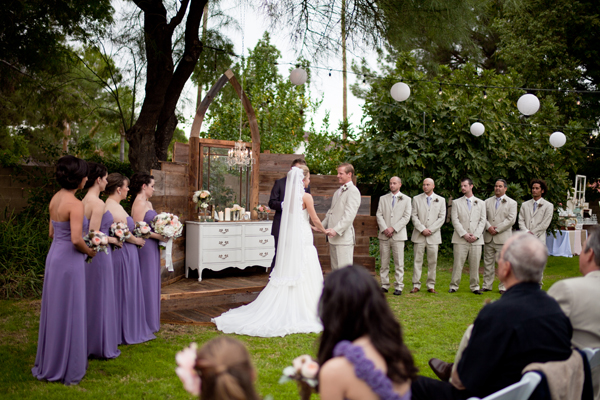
(341, 214)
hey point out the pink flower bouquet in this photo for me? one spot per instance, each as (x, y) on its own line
(186, 362)
(96, 241)
(304, 371)
(119, 230)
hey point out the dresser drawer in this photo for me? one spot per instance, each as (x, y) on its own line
(259, 242)
(221, 231)
(258, 229)
(218, 243)
(259, 254)
(219, 256)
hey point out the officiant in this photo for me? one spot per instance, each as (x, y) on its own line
(276, 202)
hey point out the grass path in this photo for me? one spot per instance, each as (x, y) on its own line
(433, 326)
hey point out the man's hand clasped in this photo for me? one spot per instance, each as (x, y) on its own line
(389, 232)
(330, 233)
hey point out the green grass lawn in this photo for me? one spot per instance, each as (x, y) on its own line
(433, 326)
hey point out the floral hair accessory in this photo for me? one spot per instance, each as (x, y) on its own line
(186, 362)
(303, 369)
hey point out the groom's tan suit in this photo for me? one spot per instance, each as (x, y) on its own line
(396, 216)
(502, 214)
(427, 215)
(536, 221)
(340, 218)
(467, 221)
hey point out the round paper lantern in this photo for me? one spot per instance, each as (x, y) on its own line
(528, 104)
(477, 129)
(298, 76)
(558, 139)
(400, 91)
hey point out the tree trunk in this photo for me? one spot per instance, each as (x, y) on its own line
(344, 75)
(151, 134)
(204, 31)
(66, 136)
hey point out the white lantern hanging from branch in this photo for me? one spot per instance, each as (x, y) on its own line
(298, 76)
(528, 104)
(400, 91)
(558, 139)
(477, 129)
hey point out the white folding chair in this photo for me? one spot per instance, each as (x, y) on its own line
(593, 356)
(517, 391)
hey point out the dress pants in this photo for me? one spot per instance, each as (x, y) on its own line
(397, 248)
(489, 265)
(461, 253)
(341, 255)
(432, 254)
(276, 239)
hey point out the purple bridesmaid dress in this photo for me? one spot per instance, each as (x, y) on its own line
(150, 270)
(102, 334)
(131, 311)
(62, 340)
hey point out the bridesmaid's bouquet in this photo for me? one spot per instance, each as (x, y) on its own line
(142, 230)
(96, 241)
(304, 371)
(169, 226)
(120, 230)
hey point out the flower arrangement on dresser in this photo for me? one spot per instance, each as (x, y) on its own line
(262, 212)
(202, 199)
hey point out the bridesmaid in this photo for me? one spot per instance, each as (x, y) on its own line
(62, 340)
(102, 334)
(142, 188)
(131, 310)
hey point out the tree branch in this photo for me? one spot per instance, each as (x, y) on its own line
(176, 20)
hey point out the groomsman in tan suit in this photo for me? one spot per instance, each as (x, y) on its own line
(501, 214)
(428, 216)
(535, 215)
(468, 219)
(579, 299)
(340, 218)
(393, 213)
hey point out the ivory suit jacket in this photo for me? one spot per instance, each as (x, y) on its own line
(537, 222)
(341, 214)
(432, 218)
(396, 217)
(465, 221)
(503, 219)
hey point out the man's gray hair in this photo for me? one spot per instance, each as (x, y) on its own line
(593, 242)
(527, 256)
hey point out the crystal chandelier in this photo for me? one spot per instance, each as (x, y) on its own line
(239, 157)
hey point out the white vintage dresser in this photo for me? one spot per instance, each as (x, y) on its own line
(220, 245)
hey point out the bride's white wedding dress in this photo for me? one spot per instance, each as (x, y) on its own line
(289, 302)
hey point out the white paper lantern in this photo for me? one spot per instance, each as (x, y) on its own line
(528, 104)
(400, 91)
(477, 129)
(558, 139)
(298, 76)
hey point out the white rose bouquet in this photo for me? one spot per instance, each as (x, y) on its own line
(304, 371)
(142, 230)
(169, 226)
(201, 198)
(96, 241)
(120, 230)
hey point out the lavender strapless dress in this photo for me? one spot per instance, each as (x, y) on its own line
(102, 334)
(150, 270)
(62, 340)
(131, 311)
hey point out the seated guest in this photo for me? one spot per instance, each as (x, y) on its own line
(524, 326)
(361, 351)
(579, 299)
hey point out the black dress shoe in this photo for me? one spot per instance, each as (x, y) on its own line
(452, 291)
(384, 290)
(477, 292)
(486, 290)
(397, 292)
(442, 369)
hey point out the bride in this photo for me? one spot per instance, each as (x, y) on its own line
(288, 304)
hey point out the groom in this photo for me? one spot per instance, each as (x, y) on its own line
(340, 218)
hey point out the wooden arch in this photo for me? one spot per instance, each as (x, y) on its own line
(194, 154)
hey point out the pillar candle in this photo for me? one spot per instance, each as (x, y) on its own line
(228, 214)
(242, 213)
(220, 215)
(248, 215)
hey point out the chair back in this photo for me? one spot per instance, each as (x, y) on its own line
(521, 390)
(593, 356)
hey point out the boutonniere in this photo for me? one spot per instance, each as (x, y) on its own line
(399, 197)
(475, 202)
(503, 201)
(539, 205)
(436, 201)
(344, 188)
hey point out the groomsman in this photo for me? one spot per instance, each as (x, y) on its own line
(468, 219)
(393, 213)
(428, 216)
(501, 214)
(536, 214)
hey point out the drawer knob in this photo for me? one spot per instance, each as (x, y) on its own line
(223, 231)
(263, 241)
(264, 254)
(264, 229)
(223, 256)
(223, 242)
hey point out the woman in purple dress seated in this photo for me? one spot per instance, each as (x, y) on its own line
(142, 189)
(131, 309)
(103, 336)
(62, 340)
(361, 351)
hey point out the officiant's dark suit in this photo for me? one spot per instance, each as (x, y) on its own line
(277, 195)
